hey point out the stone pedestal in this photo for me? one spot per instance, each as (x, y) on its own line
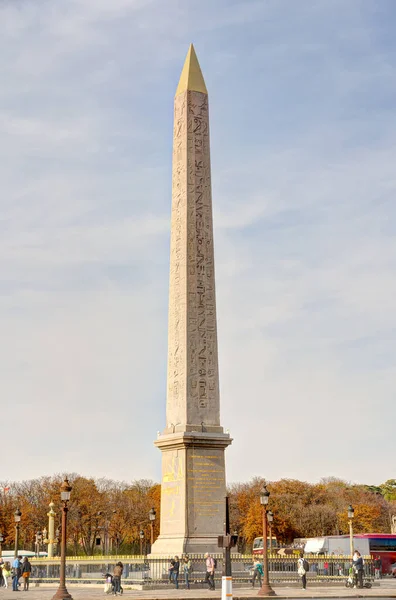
(193, 492)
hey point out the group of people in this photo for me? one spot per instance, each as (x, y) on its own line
(185, 566)
(20, 568)
(113, 581)
(355, 571)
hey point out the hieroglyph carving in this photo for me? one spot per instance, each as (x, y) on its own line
(177, 325)
(193, 379)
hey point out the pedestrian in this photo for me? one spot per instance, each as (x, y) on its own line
(16, 573)
(257, 571)
(301, 564)
(6, 573)
(358, 569)
(351, 577)
(170, 569)
(326, 568)
(175, 572)
(210, 570)
(187, 569)
(377, 567)
(26, 570)
(117, 572)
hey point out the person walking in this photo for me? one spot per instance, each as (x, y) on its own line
(26, 570)
(257, 571)
(117, 572)
(357, 563)
(187, 569)
(16, 573)
(302, 571)
(6, 573)
(210, 570)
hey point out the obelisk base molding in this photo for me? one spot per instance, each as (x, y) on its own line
(192, 493)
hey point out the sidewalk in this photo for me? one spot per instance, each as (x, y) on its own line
(84, 593)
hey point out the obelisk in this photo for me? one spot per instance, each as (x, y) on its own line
(193, 468)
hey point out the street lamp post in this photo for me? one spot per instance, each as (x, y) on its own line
(62, 593)
(270, 517)
(17, 518)
(1, 541)
(152, 515)
(141, 535)
(351, 514)
(266, 589)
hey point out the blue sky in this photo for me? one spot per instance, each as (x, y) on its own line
(303, 134)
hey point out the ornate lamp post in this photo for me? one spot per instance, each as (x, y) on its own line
(266, 589)
(17, 518)
(351, 514)
(270, 518)
(1, 541)
(152, 515)
(62, 593)
(141, 535)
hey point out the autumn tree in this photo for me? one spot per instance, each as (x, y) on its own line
(303, 509)
(98, 510)
(115, 511)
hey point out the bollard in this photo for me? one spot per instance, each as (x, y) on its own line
(226, 588)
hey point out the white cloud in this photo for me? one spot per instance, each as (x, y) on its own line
(303, 172)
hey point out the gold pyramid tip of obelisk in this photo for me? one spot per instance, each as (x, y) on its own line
(191, 77)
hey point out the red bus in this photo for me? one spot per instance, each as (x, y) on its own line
(384, 546)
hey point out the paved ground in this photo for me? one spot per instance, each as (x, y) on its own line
(384, 591)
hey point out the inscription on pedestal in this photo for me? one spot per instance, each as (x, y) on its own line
(205, 487)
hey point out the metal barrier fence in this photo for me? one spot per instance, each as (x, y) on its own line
(150, 571)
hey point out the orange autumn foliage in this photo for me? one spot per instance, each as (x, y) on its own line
(303, 509)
